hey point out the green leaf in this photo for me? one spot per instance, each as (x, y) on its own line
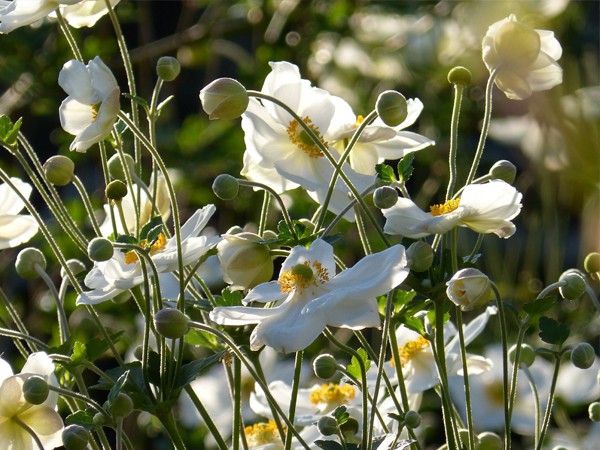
(354, 366)
(116, 389)
(385, 173)
(164, 103)
(190, 371)
(137, 99)
(9, 130)
(149, 226)
(539, 306)
(552, 331)
(229, 298)
(341, 415)
(405, 168)
(200, 338)
(126, 239)
(84, 418)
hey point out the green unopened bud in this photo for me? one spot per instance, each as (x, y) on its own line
(74, 265)
(115, 166)
(226, 187)
(459, 75)
(325, 366)
(385, 197)
(100, 419)
(35, 390)
(526, 355)
(245, 261)
(489, 441)
(574, 285)
(583, 355)
(517, 44)
(419, 256)
(412, 419)
(224, 98)
(503, 170)
(171, 323)
(327, 426)
(121, 406)
(591, 264)
(594, 411)
(75, 437)
(392, 108)
(468, 289)
(100, 249)
(116, 190)
(26, 263)
(59, 170)
(349, 428)
(168, 68)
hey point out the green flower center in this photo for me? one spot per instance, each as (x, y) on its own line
(301, 139)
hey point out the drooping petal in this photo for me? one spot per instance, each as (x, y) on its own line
(405, 219)
(11, 202)
(75, 80)
(86, 13)
(240, 315)
(75, 116)
(265, 293)
(16, 230)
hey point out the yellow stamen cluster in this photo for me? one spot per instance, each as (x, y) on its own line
(332, 394)
(158, 245)
(449, 206)
(297, 280)
(95, 110)
(301, 139)
(408, 350)
(360, 119)
(262, 434)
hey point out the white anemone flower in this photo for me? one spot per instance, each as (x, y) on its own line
(42, 419)
(378, 141)
(15, 228)
(92, 105)
(524, 58)
(484, 208)
(309, 297)
(18, 13)
(279, 153)
(85, 13)
(123, 271)
(419, 368)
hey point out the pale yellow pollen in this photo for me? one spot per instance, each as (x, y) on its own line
(360, 119)
(95, 109)
(301, 139)
(332, 394)
(294, 280)
(262, 434)
(449, 206)
(410, 349)
(131, 256)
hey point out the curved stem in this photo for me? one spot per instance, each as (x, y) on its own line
(294, 396)
(548, 412)
(63, 324)
(64, 27)
(31, 433)
(463, 354)
(458, 91)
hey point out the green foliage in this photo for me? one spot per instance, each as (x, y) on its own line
(354, 367)
(553, 332)
(9, 130)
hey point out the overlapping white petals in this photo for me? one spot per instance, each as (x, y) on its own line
(85, 13)
(15, 228)
(303, 311)
(19, 13)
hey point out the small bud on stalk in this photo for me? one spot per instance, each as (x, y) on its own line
(75, 437)
(392, 108)
(327, 426)
(168, 68)
(385, 197)
(412, 419)
(489, 441)
(226, 187)
(171, 323)
(121, 406)
(419, 256)
(503, 170)
(224, 98)
(74, 265)
(583, 355)
(325, 366)
(459, 75)
(591, 264)
(115, 166)
(100, 249)
(526, 356)
(594, 411)
(116, 190)
(574, 285)
(59, 170)
(35, 390)
(26, 263)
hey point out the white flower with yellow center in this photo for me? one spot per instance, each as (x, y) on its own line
(92, 105)
(378, 141)
(279, 152)
(525, 58)
(419, 368)
(309, 296)
(123, 271)
(18, 13)
(263, 436)
(16, 412)
(15, 228)
(484, 208)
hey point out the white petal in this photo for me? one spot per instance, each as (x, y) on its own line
(11, 202)
(265, 293)
(102, 79)
(402, 144)
(98, 296)
(196, 223)
(240, 315)
(75, 116)
(75, 80)
(405, 219)
(16, 230)
(86, 13)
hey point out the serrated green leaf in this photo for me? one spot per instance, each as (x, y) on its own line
(200, 338)
(354, 366)
(539, 306)
(190, 371)
(9, 130)
(341, 415)
(229, 298)
(79, 352)
(405, 168)
(385, 173)
(552, 331)
(84, 418)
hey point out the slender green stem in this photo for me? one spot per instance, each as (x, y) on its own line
(63, 324)
(465, 364)
(25, 337)
(77, 396)
(89, 209)
(347, 208)
(549, 404)
(264, 210)
(294, 396)
(64, 27)
(168, 421)
(31, 433)
(458, 92)
(362, 232)
(536, 402)
(214, 431)
(14, 315)
(237, 403)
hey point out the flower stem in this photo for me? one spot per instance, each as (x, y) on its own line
(458, 91)
(463, 354)
(170, 425)
(548, 412)
(294, 395)
(31, 433)
(214, 431)
(64, 27)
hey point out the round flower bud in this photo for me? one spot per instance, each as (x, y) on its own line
(526, 356)
(350, 427)
(74, 265)
(419, 256)
(168, 68)
(35, 390)
(574, 285)
(100, 249)
(116, 190)
(489, 441)
(385, 197)
(226, 187)
(591, 263)
(99, 419)
(121, 406)
(594, 411)
(459, 75)
(224, 98)
(325, 366)
(412, 419)
(245, 262)
(171, 323)
(503, 170)
(468, 289)
(59, 170)
(26, 263)
(583, 355)
(115, 166)
(517, 44)
(327, 426)
(75, 437)
(392, 108)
